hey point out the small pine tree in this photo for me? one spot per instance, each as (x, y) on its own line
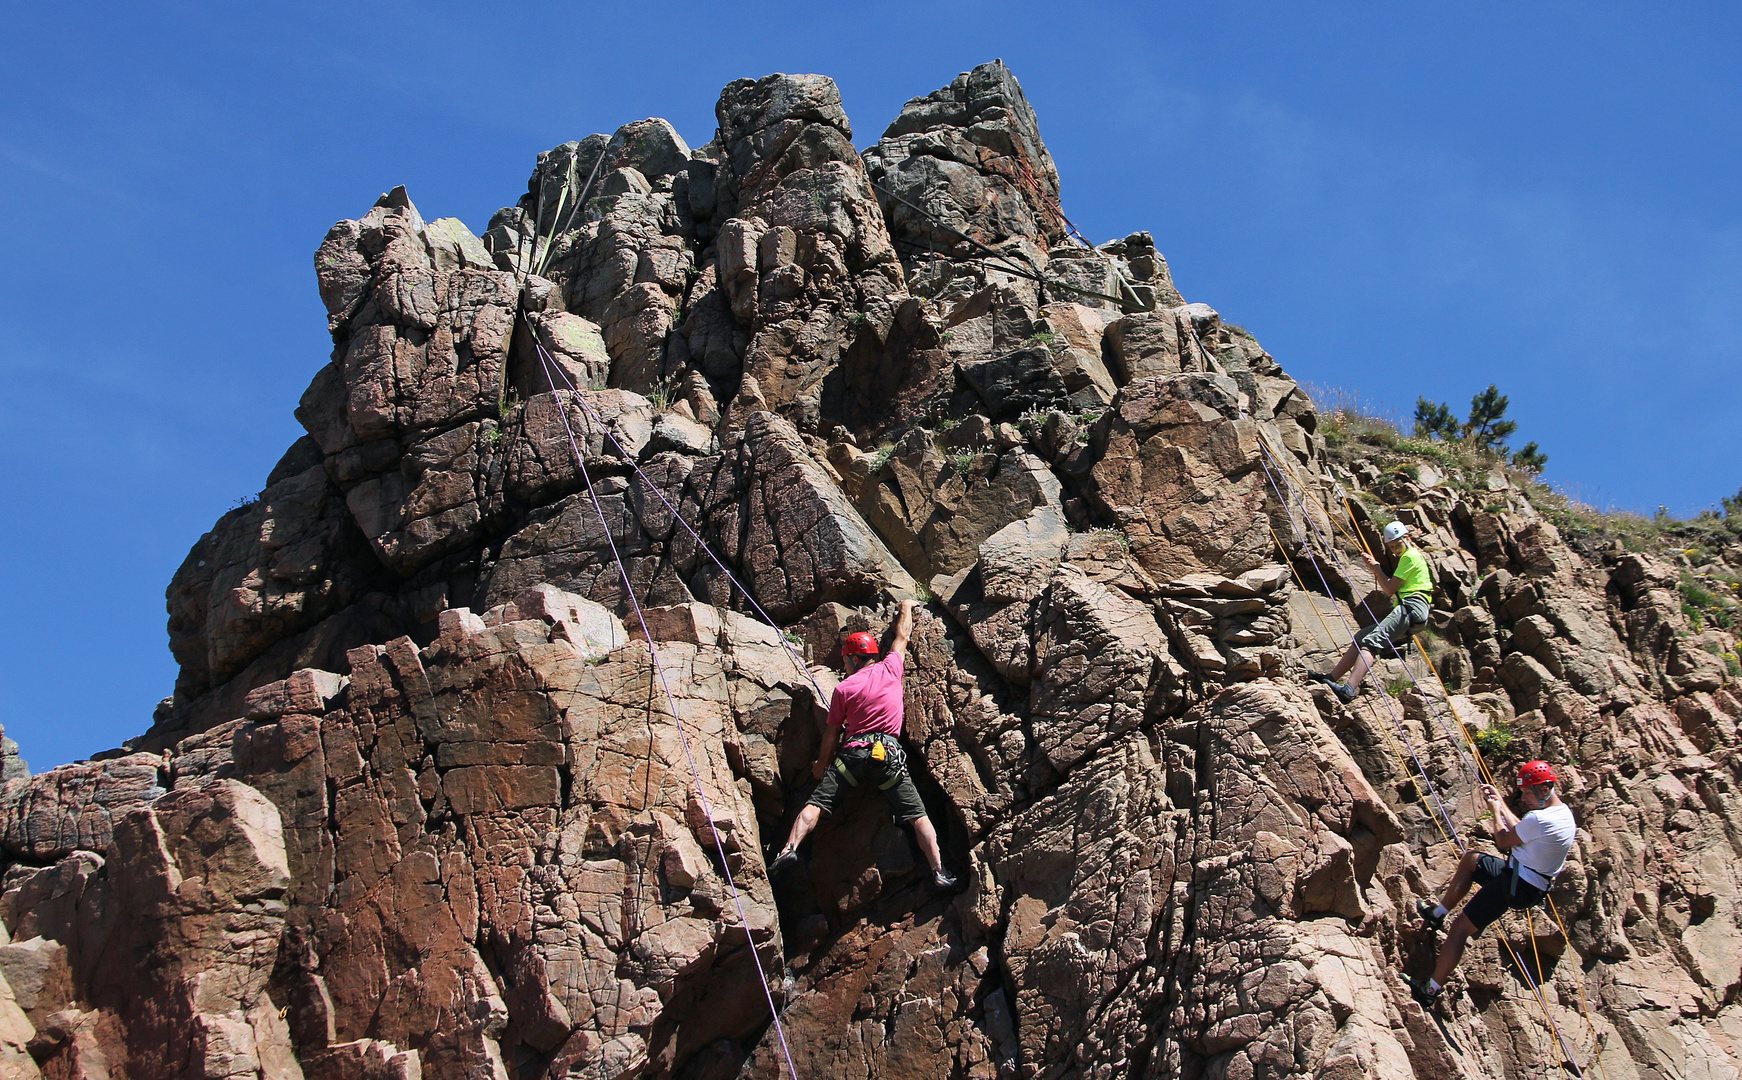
(1434, 420)
(1485, 429)
(1733, 513)
(1529, 458)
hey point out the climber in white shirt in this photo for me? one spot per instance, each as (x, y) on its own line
(1536, 847)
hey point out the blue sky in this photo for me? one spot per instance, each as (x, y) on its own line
(1397, 199)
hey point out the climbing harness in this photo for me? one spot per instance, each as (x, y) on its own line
(548, 364)
(1514, 868)
(884, 751)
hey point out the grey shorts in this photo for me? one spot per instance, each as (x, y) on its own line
(889, 776)
(1393, 631)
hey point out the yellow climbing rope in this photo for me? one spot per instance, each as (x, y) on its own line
(1536, 989)
(1488, 777)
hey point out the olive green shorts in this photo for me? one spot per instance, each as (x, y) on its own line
(889, 775)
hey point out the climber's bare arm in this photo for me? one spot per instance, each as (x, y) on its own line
(903, 628)
(826, 752)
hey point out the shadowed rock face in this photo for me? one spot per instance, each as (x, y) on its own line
(420, 805)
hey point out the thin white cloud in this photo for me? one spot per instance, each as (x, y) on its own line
(49, 169)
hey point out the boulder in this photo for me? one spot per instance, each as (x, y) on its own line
(268, 569)
(788, 170)
(651, 147)
(967, 160)
(1178, 472)
(75, 807)
(1102, 666)
(12, 766)
(1146, 344)
(591, 628)
(1022, 381)
(1017, 561)
(577, 348)
(1077, 353)
(934, 510)
(775, 513)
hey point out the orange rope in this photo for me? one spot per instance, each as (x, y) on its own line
(1584, 1007)
(1488, 776)
(1536, 990)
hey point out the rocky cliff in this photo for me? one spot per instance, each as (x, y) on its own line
(419, 805)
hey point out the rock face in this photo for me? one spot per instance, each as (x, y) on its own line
(421, 805)
(964, 166)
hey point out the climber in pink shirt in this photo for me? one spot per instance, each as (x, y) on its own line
(865, 715)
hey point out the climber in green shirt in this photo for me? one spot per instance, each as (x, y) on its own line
(1412, 585)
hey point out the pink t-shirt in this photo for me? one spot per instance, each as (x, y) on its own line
(870, 699)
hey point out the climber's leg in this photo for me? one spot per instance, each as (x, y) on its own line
(1457, 935)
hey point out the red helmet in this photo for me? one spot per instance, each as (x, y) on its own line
(860, 644)
(1532, 773)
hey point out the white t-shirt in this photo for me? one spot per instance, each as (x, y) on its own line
(1548, 835)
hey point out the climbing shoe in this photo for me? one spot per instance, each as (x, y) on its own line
(1426, 909)
(1418, 990)
(1344, 692)
(785, 859)
(943, 880)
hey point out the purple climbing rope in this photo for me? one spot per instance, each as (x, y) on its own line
(599, 422)
(671, 704)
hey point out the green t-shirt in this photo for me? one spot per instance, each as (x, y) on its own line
(1412, 570)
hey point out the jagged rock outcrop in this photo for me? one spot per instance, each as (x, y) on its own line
(421, 807)
(965, 166)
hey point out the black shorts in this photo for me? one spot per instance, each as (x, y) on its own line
(889, 775)
(1497, 893)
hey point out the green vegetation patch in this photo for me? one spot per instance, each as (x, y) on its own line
(1495, 740)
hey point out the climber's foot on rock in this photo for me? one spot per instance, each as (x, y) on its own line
(1420, 990)
(1344, 692)
(1426, 909)
(787, 857)
(943, 880)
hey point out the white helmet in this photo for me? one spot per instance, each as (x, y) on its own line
(1397, 530)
